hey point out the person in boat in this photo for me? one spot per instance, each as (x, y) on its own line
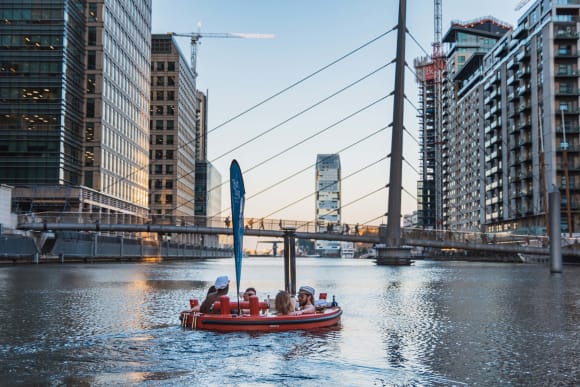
(248, 293)
(209, 291)
(305, 300)
(222, 286)
(284, 303)
(246, 296)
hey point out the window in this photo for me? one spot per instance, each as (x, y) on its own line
(170, 95)
(159, 140)
(92, 39)
(160, 81)
(91, 83)
(93, 12)
(158, 184)
(170, 124)
(159, 110)
(159, 95)
(170, 66)
(90, 108)
(169, 184)
(158, 154)
(90, 132)
(158, 168)
(157, 199)
(160, 66)
(89, 156)
(169, 169)
(170, 110)
(168, 199)
(91, 60)
(171, 81)
(159, 124)
(169, 140)
(169, 155)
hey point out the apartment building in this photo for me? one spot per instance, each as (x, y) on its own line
(510, 120)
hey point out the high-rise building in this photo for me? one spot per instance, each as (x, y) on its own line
(462, 121)
(74, 98)
(327, 205)
(174, 127)
(510, 121)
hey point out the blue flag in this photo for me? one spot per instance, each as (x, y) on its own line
(237, 192)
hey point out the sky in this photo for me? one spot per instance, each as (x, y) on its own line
(276, 144)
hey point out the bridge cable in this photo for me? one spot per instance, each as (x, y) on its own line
(349, 203)
(328, 185)
(302, 142)
(307, 168)
(417, 43)
(318, 103)
(302, 80)
(293, 117)
(352, 52)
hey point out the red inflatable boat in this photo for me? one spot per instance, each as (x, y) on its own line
(258, 319)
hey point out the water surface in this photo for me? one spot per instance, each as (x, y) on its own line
(435, 323)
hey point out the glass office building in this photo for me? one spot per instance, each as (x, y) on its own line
(74, 102)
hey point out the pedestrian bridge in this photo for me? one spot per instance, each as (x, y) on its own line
(277, 228)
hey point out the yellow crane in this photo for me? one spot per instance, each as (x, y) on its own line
(196, 36)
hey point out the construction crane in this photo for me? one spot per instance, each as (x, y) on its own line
(196, 36)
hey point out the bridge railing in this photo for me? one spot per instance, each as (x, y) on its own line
(299, 225)
(201, 221)
(477, 237)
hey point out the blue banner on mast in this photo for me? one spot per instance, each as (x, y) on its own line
(237, 193)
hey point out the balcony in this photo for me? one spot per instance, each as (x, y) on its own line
(522, 54)
(523, 90)
(567, 73)
(564, 53)
(566, 34)
(523, 72)
(567, 91)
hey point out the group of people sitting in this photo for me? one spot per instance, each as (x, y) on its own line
(284, 302)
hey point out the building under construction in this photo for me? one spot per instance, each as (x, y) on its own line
(429, 71)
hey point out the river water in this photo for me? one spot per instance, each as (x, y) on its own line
(432, 324)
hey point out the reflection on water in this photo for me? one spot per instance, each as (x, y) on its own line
(435, 323)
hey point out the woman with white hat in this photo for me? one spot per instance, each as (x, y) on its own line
(222, 286)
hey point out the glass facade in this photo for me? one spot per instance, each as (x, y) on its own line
(74, 99)
(41, 92)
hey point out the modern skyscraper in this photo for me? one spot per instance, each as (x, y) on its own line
(74, 105)
(327, 205)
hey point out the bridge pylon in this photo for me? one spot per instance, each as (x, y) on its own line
(390, 251)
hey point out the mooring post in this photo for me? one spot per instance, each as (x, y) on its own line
(555, 231)
(289, 260)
